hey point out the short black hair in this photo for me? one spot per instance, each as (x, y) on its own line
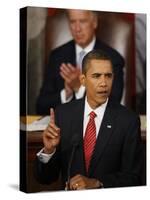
(97, 54)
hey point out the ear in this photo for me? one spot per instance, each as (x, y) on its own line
(82, 79)
(95, 23)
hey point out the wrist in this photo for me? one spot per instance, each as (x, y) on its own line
(68, 94)
(76, 89)
(48, 151)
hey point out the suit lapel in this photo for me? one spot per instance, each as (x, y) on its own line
(98, 44)
(105, 132)
(72, 54)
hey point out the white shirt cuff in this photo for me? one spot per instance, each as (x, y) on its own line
(63, 97)
(80, 92)
(43, 157)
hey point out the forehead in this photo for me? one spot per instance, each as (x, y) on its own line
(79, 13)
(99, 66)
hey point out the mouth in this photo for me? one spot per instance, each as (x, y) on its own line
(102, 93)
(79, 37)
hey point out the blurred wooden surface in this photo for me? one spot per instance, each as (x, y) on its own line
(34, 144)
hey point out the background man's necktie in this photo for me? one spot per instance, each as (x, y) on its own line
(81, 55)
(89, 139)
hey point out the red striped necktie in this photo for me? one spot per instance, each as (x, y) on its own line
(89, 139)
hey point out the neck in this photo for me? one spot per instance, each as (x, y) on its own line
(95, 105)
(90, 43)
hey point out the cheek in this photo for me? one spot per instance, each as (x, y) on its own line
(86, 30)
(90, 29)
(73, 30)
(88, 33)
(92, 86)
(110, 84)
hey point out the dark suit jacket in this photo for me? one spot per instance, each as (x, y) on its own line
(117, 158)
(53, 83)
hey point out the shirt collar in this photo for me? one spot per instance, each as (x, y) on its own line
(87, 49)
(97, 111)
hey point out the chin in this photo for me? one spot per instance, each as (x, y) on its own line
(80, 43)
(102, 101)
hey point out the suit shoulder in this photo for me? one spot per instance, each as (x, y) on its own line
(70, 106)
(63, 48)
(127, 113)
(113, 53)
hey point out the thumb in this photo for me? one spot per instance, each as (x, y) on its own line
(52, 116)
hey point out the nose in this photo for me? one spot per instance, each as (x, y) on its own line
(102, 81)
(77, 27)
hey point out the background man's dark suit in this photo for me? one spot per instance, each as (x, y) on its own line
(53, 82)
(117, 157)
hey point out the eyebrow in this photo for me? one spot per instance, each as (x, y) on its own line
(108, 73)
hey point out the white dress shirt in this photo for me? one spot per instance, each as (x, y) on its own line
(87, 110)
(80, 93)
(99, 116)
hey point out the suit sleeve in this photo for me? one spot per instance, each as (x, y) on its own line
(118, 83)
(46, 173)
(131, 160)
(52, 85)
(49, 172)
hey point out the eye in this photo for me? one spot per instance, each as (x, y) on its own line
(109, 75)
(83, 21)
(72, 21)
(96, 75)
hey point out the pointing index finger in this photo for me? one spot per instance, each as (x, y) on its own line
(52, 116)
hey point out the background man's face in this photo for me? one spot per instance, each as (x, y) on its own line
(82, 25)
(98, 81)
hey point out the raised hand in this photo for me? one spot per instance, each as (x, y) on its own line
(51, 135)
(71, 76)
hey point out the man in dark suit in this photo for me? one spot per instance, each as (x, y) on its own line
(61, 82)
(94, 142)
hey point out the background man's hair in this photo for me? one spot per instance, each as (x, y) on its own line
(94, 54)
(95, 13)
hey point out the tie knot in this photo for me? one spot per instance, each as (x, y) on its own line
(82, 53)
(92, 115)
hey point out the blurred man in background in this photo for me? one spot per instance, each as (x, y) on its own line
(61, 82)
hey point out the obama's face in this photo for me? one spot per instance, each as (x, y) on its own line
(97, 80)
